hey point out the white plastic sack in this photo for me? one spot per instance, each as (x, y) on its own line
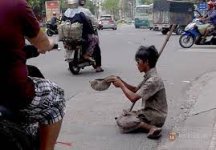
(70, 31)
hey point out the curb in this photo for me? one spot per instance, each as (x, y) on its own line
(212, 145)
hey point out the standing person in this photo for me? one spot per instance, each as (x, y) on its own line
(151, 90)
(97, 52)
(39, 100)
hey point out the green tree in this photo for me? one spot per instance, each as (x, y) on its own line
(38, 7)
(91, 6)
(34, 3)
(112, 6)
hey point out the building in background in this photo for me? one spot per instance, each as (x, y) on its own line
(52, 6)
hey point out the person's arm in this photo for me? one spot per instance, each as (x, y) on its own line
(113, 78)
(91, 17)
(31, 28)
(42, 42)
(150, 87)
(130, 87)
(128, 90)
(132, 96)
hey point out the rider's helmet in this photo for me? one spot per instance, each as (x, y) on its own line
(211, 5)
(54, 13)
(73, 3)
(82, 2)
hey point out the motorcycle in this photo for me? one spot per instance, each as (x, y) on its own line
(15, 133)
(193, 35)
(76, 61)
(51, 29)
(74, 54)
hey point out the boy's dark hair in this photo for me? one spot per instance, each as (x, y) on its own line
(149, 54)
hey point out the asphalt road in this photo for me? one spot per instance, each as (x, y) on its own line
(89, 122)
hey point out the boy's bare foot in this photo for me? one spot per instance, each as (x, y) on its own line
(154, 133)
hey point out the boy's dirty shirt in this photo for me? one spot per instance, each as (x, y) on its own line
(153, 94)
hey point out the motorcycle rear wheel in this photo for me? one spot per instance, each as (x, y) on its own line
(73, 67)
(186, 41)
(49, 33)
(164, 31)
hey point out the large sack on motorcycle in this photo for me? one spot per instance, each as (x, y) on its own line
(70, 31)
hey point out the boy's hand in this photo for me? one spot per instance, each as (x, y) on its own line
(111, 78)
(117, 82)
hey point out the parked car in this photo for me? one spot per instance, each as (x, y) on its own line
(107, 22)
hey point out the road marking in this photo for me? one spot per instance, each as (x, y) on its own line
(212, 145)
(186, 81)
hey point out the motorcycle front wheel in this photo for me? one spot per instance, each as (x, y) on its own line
(186, 41)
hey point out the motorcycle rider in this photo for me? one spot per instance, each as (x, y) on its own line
(39, 100)
(53, 21)
(97, 51)
(210, 20)
(75, 14)
(88, 13)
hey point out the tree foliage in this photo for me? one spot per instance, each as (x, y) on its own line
(39, 5)
(91, 6)
(111, 6)
(34, 3)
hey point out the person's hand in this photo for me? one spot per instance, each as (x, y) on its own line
(117, 82)
(111, 78)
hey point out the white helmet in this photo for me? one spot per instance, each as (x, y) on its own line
(73, 1)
